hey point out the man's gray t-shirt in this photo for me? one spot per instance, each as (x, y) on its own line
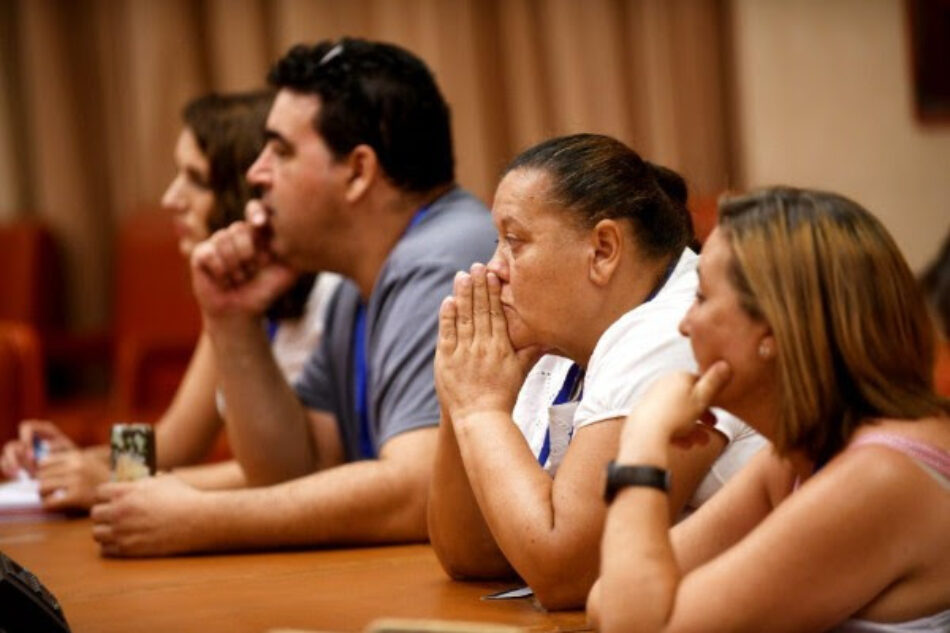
(401, 326)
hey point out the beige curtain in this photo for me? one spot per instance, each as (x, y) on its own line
(90, 91)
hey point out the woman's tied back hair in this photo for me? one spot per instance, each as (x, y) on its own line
(596, 177)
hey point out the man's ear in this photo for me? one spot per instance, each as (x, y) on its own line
(362, 170)
(606, 246)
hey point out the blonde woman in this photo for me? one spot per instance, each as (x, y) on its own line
(809, 325)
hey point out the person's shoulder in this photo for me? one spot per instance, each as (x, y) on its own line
(631, 354)
(455, 232)
(659, 317)
(650, 326)
(456, 215)
(458, 201)
(680, 289)
(879, 475)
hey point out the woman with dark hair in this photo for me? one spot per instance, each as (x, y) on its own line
(221, 138)
(808, 324)
(592, 268)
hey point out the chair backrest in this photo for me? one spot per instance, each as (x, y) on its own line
(705, 212)
(30, 282)
(22, 393)
(157, 321)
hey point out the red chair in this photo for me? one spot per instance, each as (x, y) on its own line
(30, 306)
(156, 323)
(32, 286)
(22, 392)
(705, 212)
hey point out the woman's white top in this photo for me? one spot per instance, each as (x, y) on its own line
(635, 350)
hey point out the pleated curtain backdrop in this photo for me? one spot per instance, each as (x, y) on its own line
(92, 90)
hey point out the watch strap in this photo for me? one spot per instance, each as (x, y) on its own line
(622, 476)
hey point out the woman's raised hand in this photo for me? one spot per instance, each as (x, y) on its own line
(476, 367)
(676, 407)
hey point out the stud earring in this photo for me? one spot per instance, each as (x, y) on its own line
(765, 350)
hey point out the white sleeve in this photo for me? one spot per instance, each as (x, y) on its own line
(743, 444)
(629, 357)
(730, 426)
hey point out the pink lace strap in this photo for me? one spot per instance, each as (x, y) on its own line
(932, 456)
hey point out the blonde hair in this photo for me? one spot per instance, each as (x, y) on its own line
(854, 336)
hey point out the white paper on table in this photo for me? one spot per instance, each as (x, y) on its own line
(511, 594)
(22, 493)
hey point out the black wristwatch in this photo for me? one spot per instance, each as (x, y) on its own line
(619, 477)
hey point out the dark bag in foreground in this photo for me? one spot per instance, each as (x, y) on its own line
(25, 604)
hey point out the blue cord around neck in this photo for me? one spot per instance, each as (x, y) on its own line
(573, 382)
(361, 364)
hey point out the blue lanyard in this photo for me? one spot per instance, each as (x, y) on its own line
(569, 392)
(271, 326)
(575, 376)
(665, 278)
(361, 378)
(361, 366)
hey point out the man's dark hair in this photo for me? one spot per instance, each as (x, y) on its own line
(379, 95)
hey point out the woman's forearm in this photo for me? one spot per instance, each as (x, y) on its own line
(458, 532)
(639, 574)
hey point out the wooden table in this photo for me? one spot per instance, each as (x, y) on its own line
(330, 590)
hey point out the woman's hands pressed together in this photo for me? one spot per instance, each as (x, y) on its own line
(476, 368)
